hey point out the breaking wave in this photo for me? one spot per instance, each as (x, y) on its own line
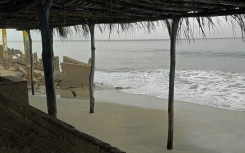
(224, 90)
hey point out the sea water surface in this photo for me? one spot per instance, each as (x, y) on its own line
(208, 71)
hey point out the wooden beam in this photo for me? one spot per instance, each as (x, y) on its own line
(91, 76)
(211, 2)
(173, 35)
(47, 54)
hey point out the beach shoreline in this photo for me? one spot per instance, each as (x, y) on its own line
(138, 123)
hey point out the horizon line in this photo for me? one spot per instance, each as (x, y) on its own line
(130, 39)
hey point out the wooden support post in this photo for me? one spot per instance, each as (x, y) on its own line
(173, 34)
(91, 76)
(1, 50)
(31, 58)
(47, 54)
(28, 55)
(5, 48)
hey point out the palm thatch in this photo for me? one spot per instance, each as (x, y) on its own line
(186, 26)
(122, 15)
(23, 14)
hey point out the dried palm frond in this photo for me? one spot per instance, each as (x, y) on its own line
(186, 29)
(187, 26)
(64, 32)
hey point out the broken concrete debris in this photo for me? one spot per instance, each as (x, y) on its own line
(72, 78)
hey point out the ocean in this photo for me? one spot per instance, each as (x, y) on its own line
(208, 72)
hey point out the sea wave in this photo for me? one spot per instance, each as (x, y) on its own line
(224, 90)
(212, 53)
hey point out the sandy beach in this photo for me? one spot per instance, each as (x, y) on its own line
(138, 123)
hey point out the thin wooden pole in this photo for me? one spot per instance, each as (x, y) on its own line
(1, 50)
(27, 56)
(91, 76)
(1, 54)
(173, 35)
(5, 48)
(47, 54)
(31, 60)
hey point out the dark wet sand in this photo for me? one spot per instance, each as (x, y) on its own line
(138, 124)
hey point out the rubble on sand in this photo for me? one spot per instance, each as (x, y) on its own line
(72, 79)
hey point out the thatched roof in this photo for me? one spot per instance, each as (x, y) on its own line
(23, 14)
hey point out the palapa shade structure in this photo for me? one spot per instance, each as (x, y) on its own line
(48, 14)
(24, 14)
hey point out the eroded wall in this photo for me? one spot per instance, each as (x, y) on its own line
(74, 78)
(15, 88)
(27, 129)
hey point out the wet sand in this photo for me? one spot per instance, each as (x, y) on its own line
(138, 124)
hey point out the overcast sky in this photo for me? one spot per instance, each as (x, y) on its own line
(225, 30)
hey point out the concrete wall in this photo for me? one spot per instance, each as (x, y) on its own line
(15, 88)
(56, 64)
(75, 75)
(48, 132)
(74, 78)
(67, 59)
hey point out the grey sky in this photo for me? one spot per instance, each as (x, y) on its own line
(225, 30)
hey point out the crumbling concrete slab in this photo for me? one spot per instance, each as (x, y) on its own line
(75, 75)
(75, 78)
(67, 59)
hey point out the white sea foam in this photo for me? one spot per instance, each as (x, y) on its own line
(212, 88)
